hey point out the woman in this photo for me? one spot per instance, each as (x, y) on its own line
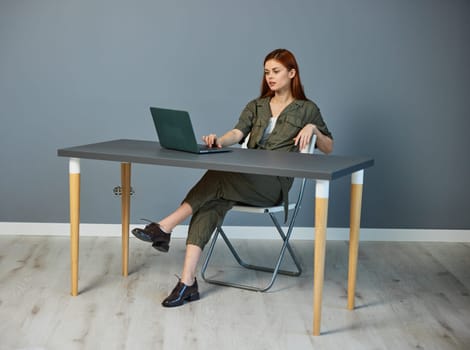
(281, 119)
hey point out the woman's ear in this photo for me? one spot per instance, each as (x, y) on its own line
(292, 73)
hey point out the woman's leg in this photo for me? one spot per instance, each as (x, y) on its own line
(208, 202)
(204, 221)
(186, 290)
(257, 190)
(214, 195)
(252, 189)
(178, 216)
(193, 253)
(202, 225)
(160, 233)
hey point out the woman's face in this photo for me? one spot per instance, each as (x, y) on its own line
(277, 76)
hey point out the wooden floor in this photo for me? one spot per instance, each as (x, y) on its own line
(409, 296)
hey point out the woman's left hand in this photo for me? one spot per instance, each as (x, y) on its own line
(304, 136)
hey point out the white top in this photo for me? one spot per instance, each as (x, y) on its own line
(269, 129)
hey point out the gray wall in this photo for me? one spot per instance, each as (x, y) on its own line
(392, 79)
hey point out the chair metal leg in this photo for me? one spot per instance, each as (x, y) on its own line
(286, 244)
(274, 270)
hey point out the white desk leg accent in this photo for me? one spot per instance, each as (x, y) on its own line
(74, 192)
(357, 180)
(125, 210)
(321, 218)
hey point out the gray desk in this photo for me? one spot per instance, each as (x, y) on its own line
(321, 168)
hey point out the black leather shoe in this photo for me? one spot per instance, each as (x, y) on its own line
(153, 233)
(181, 294)
(161, 246)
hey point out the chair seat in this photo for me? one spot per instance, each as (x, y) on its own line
(260, 210)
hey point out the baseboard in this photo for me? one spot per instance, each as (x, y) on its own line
(245, 232)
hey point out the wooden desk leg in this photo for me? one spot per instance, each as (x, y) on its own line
(321, 218)
(125, 210)
(74, 193)
(357, 179)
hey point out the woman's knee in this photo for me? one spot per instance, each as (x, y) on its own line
(197, 241)
(205, 221)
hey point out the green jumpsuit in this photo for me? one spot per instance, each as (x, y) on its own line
(217, 192)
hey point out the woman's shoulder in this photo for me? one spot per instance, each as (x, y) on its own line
(256, 103)
(260, 101)
(305, 108)
(307, 104)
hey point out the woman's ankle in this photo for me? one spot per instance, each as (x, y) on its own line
(164, 228)
(188, 281)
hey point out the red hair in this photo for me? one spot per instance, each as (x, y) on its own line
(287, 59)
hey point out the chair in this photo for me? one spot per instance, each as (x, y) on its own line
(271, 211)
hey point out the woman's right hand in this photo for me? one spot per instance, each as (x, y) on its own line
(211, 141)
(229, 138)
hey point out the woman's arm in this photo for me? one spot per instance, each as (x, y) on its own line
(324, 143)
(229, 138)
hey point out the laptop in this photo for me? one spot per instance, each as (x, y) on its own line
(175, 131)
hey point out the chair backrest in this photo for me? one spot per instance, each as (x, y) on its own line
(310, 148)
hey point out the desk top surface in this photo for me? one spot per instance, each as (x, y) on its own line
(290, 164)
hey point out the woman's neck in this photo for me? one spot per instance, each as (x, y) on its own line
(282, 98)
(279, 102)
